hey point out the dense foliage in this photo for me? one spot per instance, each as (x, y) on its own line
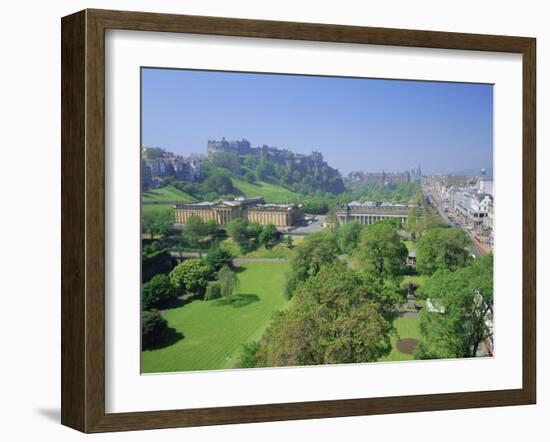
(249, 236)
(442, 248)
(464, 301)
(332, 319)
(213, 291)
(381, 252)
(348, 235)
(309, 256)
(420, 221)
(218, 257)
(397, 193)
(157, 292)
(157, 222)
(228, 281)
(191, 276)
(153, 327)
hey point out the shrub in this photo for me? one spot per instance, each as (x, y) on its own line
(191, 276)
(157, 292)
(218, 257)
(153, 327)
(248, 357)
(213, 291)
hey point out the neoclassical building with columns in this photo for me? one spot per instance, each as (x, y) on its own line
(370, 212)
(252, 209)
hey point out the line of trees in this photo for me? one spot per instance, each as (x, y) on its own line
(251, 235)
(338, 314)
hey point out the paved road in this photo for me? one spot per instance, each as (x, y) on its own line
(315, 226)
(474, 247)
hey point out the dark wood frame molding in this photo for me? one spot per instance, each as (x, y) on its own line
(83, 217)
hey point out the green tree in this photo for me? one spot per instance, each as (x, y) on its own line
(288, 242)
(194, 230)
(153, 328)
(253, 232)
(332, 319)
(228, 281)
(213, 291)
(331, 216)
(158, 222)
(191, 276)
(219, 183)
(158, 291)
(442, 248)
(348, 235)
(464, 298)
(248, 357)
(218, 257)
(237, 230)
(381, 253)
(153, 153)
(268, 235)
(419, 222)
(309, 256)
(227, 160)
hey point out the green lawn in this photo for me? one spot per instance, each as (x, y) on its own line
(147, 208)
(410, 246)
(214, 330)
(272, 193)
(279, 250)
(406, 328)
(167, 194)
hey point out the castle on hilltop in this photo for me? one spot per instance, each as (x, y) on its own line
(243, 148)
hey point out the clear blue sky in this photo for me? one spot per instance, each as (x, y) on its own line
(358, 124)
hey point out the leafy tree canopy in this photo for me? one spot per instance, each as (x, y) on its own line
(157, 222)
(465, 300)
(348, 236)
(191, 276)
(380, 252)
(153, 327)
(157, 292)
(442, 248)
(331, 320)
(218, 257)
(309, 256)
(268, 235)
(228, 281)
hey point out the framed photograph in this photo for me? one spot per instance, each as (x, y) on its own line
(268, 220)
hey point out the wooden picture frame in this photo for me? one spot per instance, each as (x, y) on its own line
(83, 220)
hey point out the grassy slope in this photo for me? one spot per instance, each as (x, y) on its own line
(166, 194)
(406, 328)
(272, 193)
(215, 330)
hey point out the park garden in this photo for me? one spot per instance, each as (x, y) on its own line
(246, 296)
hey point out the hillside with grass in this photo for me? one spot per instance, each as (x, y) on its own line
(167, 194)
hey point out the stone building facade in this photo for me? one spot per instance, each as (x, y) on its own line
(251, 209)
(371, 211)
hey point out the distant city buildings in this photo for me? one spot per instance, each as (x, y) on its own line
(469, 200)
(158, 164)
(386, 178)
(253, 209)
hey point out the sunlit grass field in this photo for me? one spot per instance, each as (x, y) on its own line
(166, 194)
(213, 331)
(406, 328)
